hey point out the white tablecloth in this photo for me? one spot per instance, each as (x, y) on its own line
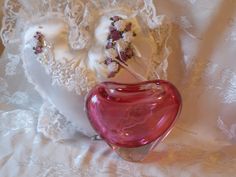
(202, 65)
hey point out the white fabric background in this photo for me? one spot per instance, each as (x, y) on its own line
(202, 65)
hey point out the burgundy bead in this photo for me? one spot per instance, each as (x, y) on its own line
(115, 35)
(122, 56)
(116, 18)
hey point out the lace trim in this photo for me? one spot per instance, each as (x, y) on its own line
(161, 35)
(18, 12)
(68, 73)
(11, 10)
(15, 98)
(78, 35)
(54, 125)
(11, 66)
(77, 78)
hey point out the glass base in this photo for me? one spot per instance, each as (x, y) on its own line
(135, 154)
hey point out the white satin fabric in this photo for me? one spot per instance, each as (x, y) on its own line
(202, 65)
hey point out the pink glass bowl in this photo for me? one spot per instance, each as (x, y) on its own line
(133, 116)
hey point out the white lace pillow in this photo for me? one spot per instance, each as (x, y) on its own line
(63, 46)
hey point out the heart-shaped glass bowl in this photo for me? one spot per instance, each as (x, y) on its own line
(133, 118)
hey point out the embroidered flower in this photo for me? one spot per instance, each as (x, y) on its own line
(119, 44)
(40, 43)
